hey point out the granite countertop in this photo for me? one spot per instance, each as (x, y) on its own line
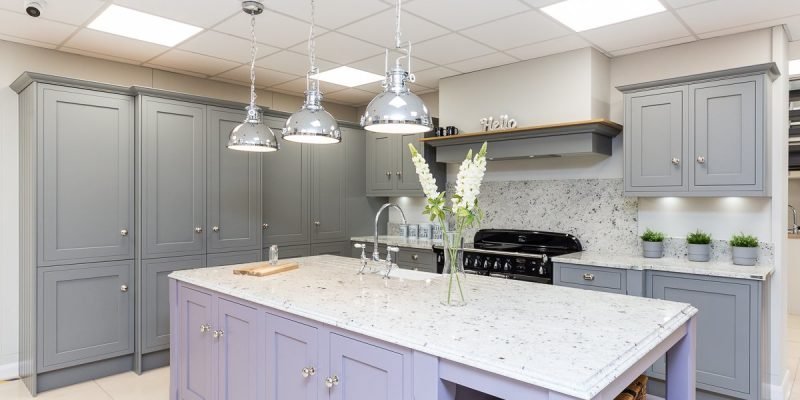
(570, 341)
(399, 241)
(722, 269)
(794, 235)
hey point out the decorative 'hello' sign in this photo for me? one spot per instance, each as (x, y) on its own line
(502, 122)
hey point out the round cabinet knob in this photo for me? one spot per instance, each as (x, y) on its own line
(676, 161)
(308, 371)
(198, 230)
(399, 174)
(331, 381)
(316, 223)
(218, 334)
(264, 226)
(388, 174)
(701, 160)
(415, 257)
(123, 232)
(204, 328)
(123, 288)
(215, 229)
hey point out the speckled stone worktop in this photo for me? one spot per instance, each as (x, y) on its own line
(566, 340)
(722, 269)
(399, 241)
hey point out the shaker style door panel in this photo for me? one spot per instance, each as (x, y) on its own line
(287, 192)
(406, 173)
(293, 369)
(364, 371)
(155, 298)
(173, 178)
(656, 139)
(328, 197)
(234, 188)
(238, 355)
(85, 313)
(728, 146)
(197, 369)
(86, 176)
(724, 337)
(380, 163)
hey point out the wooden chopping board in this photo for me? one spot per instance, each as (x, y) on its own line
(264, 268)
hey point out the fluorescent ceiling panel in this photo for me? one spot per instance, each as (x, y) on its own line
(142, 26)
(582, 15)
(347, 76)
(794, 67)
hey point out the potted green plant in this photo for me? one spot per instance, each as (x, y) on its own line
(745, 249)
(699, 246)
(652, 244)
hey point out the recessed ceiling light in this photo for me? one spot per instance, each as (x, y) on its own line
(794, 67)
(581, 15)
(142, 26)
(347, 76)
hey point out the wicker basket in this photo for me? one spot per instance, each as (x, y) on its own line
(636, 391)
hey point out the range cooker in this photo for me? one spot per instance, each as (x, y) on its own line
(514, 254)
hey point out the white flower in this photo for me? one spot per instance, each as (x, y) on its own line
(468, 182)
(425, 177)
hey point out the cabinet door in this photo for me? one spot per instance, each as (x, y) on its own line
(724, 340)
(335, 249)
(727, 123)
(173, 178)
(85, 313)
(239, 257)
(284, 252)
(234, 188)
(196, 373)
(365, 372)
(656, 142)
(406, 173)
(86, 164)
(287, 192)
(238, 354)
(155, 298)
(328, 197)
(292, 352)
(380, 163)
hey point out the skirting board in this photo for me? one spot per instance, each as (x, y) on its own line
(9, 371)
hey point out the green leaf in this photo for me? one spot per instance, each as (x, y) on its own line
(413, 149)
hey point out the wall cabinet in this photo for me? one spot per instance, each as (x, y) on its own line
(390, 171)
(702, 135)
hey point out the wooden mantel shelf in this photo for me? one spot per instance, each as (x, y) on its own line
(590, 137)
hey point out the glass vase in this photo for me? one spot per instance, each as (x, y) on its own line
(454, 277)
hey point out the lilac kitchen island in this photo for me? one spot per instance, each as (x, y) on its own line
(324, 332)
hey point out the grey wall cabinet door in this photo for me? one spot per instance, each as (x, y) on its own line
(197, 322)
(284, 252)
(239, 351)
(365, 372)
(406, 173)
(656, 140)
(361, 209)
(173, 173)
(287, 194)
(234, 188)
(85, 313)
(155, 298)
(237, 257)
(341, 249)
(380, 163)
(86, 176)
(291, 348)
(728, 145)
(328, 196)
(726, 337)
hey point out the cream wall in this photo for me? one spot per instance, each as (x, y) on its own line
(18, 58)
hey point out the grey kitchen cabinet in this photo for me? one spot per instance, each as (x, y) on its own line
(417, 259)
(85, 313)
(729, 329)
(155, 299)
(234, 188)
(601, 279)
(390, 171)
(86, 175)
(294, 251)
(335, 248)
(173, 174)
(361, 208)
(328, 193)
(236, 257)
(700, 135)
(380, 163)
(406, 173)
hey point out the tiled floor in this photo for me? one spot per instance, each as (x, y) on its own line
(154, 385)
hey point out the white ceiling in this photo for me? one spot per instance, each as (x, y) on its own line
(450, 36)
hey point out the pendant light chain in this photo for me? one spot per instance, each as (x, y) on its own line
(311, 39)
(397, 33)
(253, 52)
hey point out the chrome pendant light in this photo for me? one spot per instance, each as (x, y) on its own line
(253, 134)
(397, 110)
(312, 124)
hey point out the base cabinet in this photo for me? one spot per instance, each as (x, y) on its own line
(363, 371)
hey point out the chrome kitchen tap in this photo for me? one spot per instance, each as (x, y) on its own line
(794, 228)
(375, 254)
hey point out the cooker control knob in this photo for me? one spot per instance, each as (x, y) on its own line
(486, 264)
(497, 265)
(507, 267)
(477, 262)
(541, 270)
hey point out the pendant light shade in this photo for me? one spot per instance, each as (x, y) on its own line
(312, 124)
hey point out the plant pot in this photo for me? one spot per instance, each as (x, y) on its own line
(652, 249)
(699, 252)
(745, 255)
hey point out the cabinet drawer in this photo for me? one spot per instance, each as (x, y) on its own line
(416, 256)
(593, 278)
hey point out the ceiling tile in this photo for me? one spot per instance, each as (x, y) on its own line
(176, 70)
(204, 13)
(789, 21)
(379, 29)
(482, 62)
(298, 87)
(29, 42)
(264, 77)
(793, 28)
(112, 45)
(221, 45)
(554, 46)
(75, 12)
(637, 32)
(541, 3)
(374, 87)
(98, 55)
(430, 77)
(450, 48)
(330, 13)
(271, 28)
(460, 14)
(724, 14)
(517, 30)
(339, 48)
(351, 96)
(187, 61)
(684, 3)
(292, 63)
(377, 64)
(636, 49)
(39, 30)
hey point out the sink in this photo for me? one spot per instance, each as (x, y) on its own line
(410, 275)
